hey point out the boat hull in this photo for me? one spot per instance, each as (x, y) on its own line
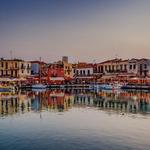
(39, 86)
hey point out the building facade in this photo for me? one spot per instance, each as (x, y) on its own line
(139, 67)
(113, 66)
(56, 73)
(83, 72)
(37, 66)
(68, 74)
(14, 68)
(24, 69)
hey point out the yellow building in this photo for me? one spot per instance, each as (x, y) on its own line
(68, 70)
(9, 68)
(14, 68)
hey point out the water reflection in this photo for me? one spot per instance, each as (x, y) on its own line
(63, 100)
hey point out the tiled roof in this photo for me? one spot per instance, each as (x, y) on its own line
(84, 65)
(113, 61)
(38, 62)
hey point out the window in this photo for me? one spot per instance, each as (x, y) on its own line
(77, 72)
(88, 72)
(117, 67)
(105, 68)
(80, 72)
(130, 66)
(15, 65)
(145, 66)
(22, 71)
(141, 67)
(83, 72)
(28, 66)
(113, 67)
(6, 65)
(109, 68)
(21, 66)
(99, 69)
(120, 67)
(125, 67)
(2, 64)
(134, 66)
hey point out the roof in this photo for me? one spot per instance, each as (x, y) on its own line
(116, 60)
(38, 62)
(84, 65)
(18, 60)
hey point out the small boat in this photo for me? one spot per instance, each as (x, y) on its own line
(6, 88)
(39, 86)
(113, 86)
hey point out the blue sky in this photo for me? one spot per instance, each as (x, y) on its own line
(84, 30)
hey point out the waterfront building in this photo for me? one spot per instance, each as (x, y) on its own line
(114, 66)
(139, 67)
(111, 70)
(56, 73)
(68, 71)
(36, 66)
(83, 72)
(24, 69)
(60, 71)
(14, 68)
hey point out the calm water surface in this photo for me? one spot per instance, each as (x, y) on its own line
(75, 120)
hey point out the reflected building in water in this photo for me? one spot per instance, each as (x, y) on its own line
(11, 103)
(124, 101)
(63, 100)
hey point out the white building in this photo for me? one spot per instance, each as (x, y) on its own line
(113, 66)
(139, 67)
(24, 69)
(83, 72)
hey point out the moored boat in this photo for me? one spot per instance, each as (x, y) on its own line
(6, 88)
(39, 86)
(112, 86)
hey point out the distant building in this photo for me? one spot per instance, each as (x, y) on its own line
(83, 72)
(139, 67)
(24, 68)
(68, 71)
(65, 59)
(113, 66)
(55, 73)
(14, 68)
(36, 66)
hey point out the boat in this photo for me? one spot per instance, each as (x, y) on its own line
(6, 88)
(39, 86)
(111, 86)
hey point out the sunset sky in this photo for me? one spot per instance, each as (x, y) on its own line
(84, 30)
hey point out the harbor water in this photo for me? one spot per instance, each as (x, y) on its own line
(75, 120)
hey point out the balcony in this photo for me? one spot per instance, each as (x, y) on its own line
(116, 71)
